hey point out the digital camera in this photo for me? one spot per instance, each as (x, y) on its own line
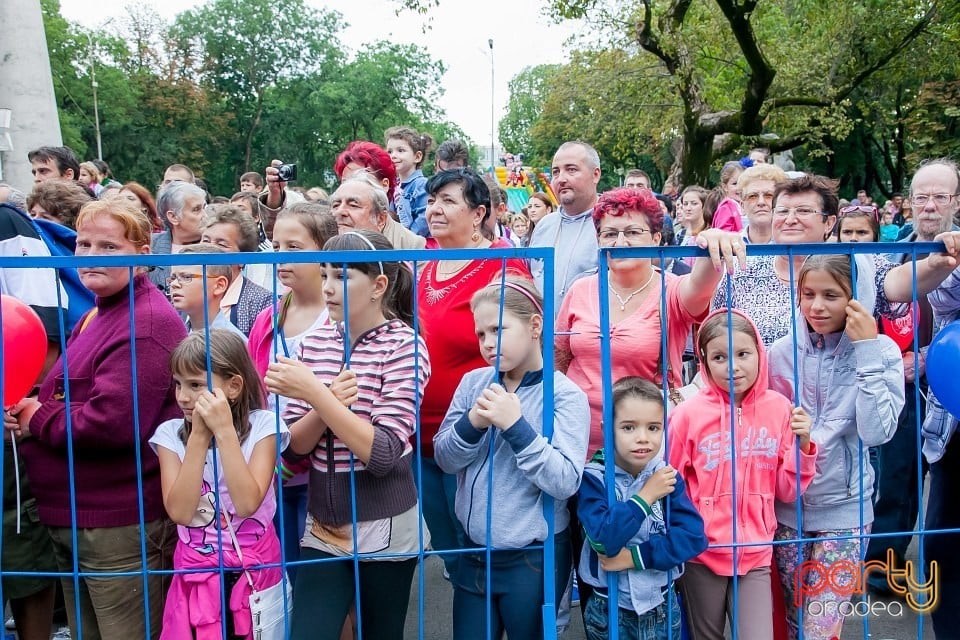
(287, 172)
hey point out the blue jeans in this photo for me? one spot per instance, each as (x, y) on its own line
(516, 597)
(898, 502)
(943, 512)
(294, 521)
(438, 493)
(326, 591)
(655, 624)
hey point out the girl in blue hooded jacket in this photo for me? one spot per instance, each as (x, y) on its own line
(851, 382)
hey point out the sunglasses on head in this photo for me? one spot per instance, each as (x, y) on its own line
(867, 209)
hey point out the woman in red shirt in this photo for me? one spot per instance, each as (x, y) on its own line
(458, 204)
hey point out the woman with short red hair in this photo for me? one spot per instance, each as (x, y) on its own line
(628, 217)
(361, 155)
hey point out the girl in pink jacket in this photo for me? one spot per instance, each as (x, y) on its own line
(734, 488)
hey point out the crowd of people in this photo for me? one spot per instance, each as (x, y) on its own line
(233, 427)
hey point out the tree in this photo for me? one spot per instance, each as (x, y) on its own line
(528, 92)
(794, 64)
(310, 119)
(224, 92)
(745, 72)
(241, 48)
(609, 99)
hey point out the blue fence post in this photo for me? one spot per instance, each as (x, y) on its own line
(549, 505)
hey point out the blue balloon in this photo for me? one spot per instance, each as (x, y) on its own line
(943, 357)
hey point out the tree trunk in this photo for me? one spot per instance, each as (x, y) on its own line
(253, 128)
(898, 179)
(697, 156)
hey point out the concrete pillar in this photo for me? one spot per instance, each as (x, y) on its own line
(26, 88)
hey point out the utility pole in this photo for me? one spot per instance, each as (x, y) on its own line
(493, 126)
(93, 84)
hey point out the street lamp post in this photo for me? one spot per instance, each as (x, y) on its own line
(493, 139)
(93, 84)
(96, 107)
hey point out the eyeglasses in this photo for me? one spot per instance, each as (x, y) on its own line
(800, 212)
(630, 234)
(939, 199)
(755, 196)
(183, 279)
(868, 209)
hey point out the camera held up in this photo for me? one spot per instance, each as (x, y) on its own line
(287, 172)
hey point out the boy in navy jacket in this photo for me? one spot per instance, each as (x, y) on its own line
(631, 536)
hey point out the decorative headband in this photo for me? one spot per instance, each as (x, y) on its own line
(368, 243)
(523, 291)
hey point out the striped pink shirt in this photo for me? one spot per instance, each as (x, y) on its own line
(392, 368)
(383, 359)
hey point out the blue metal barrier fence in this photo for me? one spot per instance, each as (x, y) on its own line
(426, 617)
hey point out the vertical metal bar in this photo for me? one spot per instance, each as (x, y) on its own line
(918, 421)
(137, 454)
(491, 450)
(549, 616)
(733, 459)
(418, 452)
(798, 500)
(347, 350)
(606, 364)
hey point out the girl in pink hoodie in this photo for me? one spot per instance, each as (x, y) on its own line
(734, 488)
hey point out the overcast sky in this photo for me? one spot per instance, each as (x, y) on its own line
(459, 34)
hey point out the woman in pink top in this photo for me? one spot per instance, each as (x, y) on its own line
(631, 217)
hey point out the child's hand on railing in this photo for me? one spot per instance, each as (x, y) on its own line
(214, 410)
(860, 323)
(501, 408)
(344, 387)
(800, 425)
(659, 485)
(291, 378)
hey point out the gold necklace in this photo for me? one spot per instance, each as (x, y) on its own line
(623, 302)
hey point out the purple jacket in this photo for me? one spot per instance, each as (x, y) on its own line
(102, 414)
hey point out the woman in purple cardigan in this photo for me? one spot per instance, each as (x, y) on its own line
(108, 413)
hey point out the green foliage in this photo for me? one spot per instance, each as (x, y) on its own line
(934, 121)
(687, 84)
(528, 91)
(239, 48)
(233, 84)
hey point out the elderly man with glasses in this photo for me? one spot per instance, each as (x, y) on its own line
(934, 196)
(932, 193)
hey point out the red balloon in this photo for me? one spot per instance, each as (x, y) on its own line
(24, 349)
